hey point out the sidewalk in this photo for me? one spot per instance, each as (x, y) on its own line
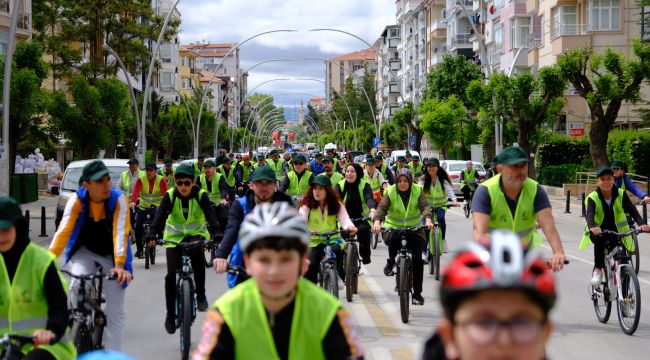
(49, 201)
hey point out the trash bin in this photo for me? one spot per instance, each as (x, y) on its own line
(29, 190)
(16, 189)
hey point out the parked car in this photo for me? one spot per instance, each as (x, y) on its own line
(395, 153)
(454, 168)
(70, 182)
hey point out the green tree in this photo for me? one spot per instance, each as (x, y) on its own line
(442, 121)
(605, 81)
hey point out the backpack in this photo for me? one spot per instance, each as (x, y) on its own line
(236, 256)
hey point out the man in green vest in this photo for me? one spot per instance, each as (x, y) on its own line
(129, 177)
(299, 179)
(215, 185)
(514, 202)
(198, 165)
(416, 167)
(167, 172)
(607, 209)
(232, 179)
(385, 171)
(248, 321)
(468, 179)
(334, 176)
(278, 165)
(148, 192)
(244, 168)
(185, 211)
(33, 299)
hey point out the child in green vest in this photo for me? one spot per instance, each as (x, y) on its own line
(277, 314)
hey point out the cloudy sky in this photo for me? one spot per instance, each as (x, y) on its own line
(235, 20)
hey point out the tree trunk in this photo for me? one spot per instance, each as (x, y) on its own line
(524, 131)
(598, 142)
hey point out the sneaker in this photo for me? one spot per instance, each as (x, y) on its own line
(418, 299)
(444, 247)
(138, 254)
(388, 269)
(201, 302)
(596, 277)
(170, 324)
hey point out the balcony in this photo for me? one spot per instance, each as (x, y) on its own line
(439, 29)
(25, 21)
(459, 41)
(533, 57)
(395, 65)
(393, 43)
(393, 88)
(569, 36)
(436, 59)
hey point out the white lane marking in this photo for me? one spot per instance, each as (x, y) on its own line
(363, 319)
(381, 353)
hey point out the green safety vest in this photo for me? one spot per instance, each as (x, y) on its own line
(215, 194)
(415, 170)
(374, 182)
(279, 170)
(230, 179)
(290, 165)
(400, 216)
(524, 223)
(298, 188)
(146, 198)
(23, 305)
(126, 182)
(198, 172)
(170, 184)
(436, 196)
(177, 227)
(619, 218)
(362, 185)
(383, 169)
(336, 177)
(257, 165)
(246, 170)
(243, 311)
(469, 178)
(321, 224)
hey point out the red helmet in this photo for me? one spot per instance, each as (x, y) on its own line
(500, 262)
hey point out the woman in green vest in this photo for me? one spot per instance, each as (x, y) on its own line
(437, 189)
(277, 314)
(606, 210)
(33, 299)
(359, 202)
(323, 210)
(404, 205)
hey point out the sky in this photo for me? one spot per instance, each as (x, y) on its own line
(219, 21)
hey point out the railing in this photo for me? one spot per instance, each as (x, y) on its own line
(24, 20)
(570, 29)
(460, 39)
(438, 24)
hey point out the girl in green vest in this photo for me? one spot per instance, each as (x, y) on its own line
(323, 211)
(437, 189)
(359, 202)
(277, 314)
(33, 300)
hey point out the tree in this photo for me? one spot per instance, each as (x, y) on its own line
(442, 120)
(605, 81)
(403, 119)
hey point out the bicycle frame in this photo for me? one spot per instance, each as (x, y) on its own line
(621, 259)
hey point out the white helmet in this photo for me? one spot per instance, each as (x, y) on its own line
(273, 220)
(330, 146)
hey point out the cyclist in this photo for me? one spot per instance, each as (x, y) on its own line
(323, 210)
(288, 160)
(374, 177)
(215, 185)
(278, 165)
(244, 168)
(512, 201)
(416, 167)
(385, 171)
(607, 207)
(95, 229)
(277, 314)
(400, 164)
(316, 165)
(149, 190)
(359, 202)
(404, 204)
(167, 172)
(198, 165)
(45, 313)
(129, 177)
(622, 181)
(408, 157)
(469, 177)
(263, 189)
(185, 211)
(496, 298)
(330, 151)
(437, 189)
(232, 178)
(299, 179)
(334, 176)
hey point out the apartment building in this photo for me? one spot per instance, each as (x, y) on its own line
(387, 84)
(354, 64)
(411, 17)
(167, 80)
(24, 25)
(188, 74)
(435, 32)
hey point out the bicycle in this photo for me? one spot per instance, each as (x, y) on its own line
(150, 244)
(11, 346)
(185, 300)
(621, 284)
(352, 263)
(404, 269)
(86, 316)
(467, 206)
(327, 276)
(435, 242)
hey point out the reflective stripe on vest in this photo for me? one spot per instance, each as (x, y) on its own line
(321, 222)
(399, 215)
(177, 227)
(524, 223)
(364, 205)
(298, 187)
(154, 198)
(599, 215)
(243, 311)
(215, 194)
(230, 179)
(436, 196)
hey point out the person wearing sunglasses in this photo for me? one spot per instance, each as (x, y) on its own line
(185, 211)
(496, 298)
(299, 179)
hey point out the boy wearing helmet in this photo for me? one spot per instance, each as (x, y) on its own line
(496, 298)
(277, 313)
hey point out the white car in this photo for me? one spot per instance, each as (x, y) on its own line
(455, 167)
(396, 153)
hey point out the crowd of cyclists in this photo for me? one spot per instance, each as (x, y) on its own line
(265, 215)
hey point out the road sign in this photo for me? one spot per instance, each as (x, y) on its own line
(412, 141)
(376, 141)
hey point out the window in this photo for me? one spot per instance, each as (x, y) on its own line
(166, 52)
(166, 81)
(645, 23)
(186, 83)
(565, 21)
(498, 4)
(394, 33)
(519, 32)
(4, 40)
(498, 37)
(604, 14)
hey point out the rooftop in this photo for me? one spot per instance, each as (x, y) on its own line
(368, 54)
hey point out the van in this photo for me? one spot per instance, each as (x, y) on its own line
(395, 153)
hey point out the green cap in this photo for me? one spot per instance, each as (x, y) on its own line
(433, 161)
(604, 170)
(94, 170)
(416, 158)
(168, 161)
(318, 156)
(133, 161)
(226, 160)
(209, 163)
(274, 152)
(151, 166)
(401, 158)
(408, 153)
(370, 159)
(263, 173)
(9, 212)
(201, 157)
(617, 164)
(293, 155)
(512, 155)
(322, 180)
(327, 158)
(300, 158)
(261, 157)
(379, 158)
(184, 170)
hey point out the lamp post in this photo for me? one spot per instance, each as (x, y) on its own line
(134, 102)
(189, 114)
(342, 98)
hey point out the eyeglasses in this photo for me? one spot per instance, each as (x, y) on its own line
(299, 163)
(522, 330)
(184, 183)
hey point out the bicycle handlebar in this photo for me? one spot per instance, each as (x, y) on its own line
(187, 244)
(361, 219)
(235, 270)
(620, 235)
(330, 233)
(20, 339)
(90, 277)
(405, 228)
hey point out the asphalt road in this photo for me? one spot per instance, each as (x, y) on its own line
(577, 335)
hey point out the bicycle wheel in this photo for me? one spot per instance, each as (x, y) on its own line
(628, 307)
(350, 254)
(467, 207)
(146, 256)
(97, 336)
(375, 240)
(635, 255)
(436, 254)
(152, 254)
(81, 337)
(186, 318)
(601, 298)
(208, 253)
(330, 282)
(355, 274)
(404, 291)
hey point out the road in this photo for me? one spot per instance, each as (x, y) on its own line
(577, 335)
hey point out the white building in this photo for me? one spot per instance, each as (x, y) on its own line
(167, 83)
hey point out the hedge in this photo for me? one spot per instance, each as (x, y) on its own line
(556, 175)
(632, 147)
(562, 150)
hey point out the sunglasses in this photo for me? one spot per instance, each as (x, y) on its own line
(299, 163)
(184, 183)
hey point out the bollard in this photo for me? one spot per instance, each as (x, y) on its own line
(645, 213)
(568, 202)
(584, 206)
(43, 234)
(27, 218)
